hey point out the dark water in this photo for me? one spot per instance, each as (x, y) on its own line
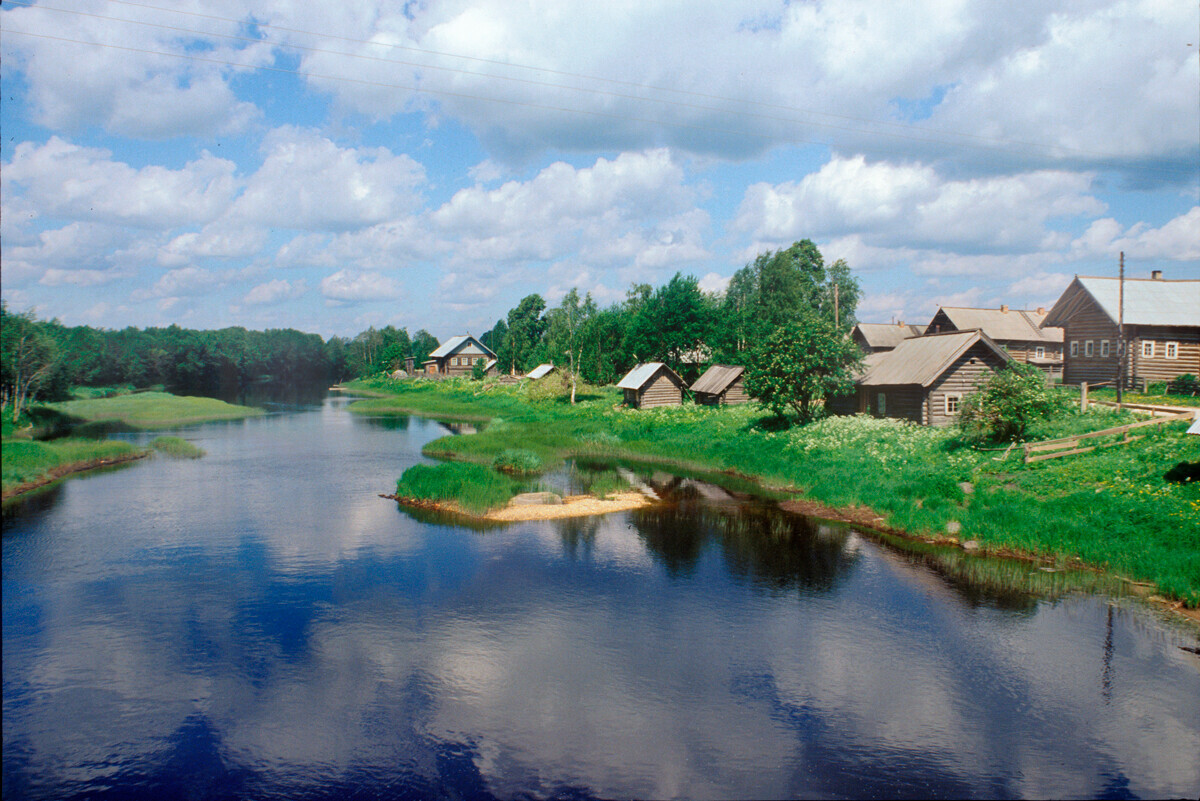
(259, 624)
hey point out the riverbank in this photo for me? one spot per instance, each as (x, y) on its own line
(150, 410)
(1114, 509)
(570, 506)
(27, 465)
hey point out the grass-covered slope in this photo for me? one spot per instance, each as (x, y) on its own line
(1114, 508)
(153, 410)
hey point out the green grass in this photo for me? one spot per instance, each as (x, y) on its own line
(473, 487)
(26, 461)
(518, 462)
(1112, 508)
(177, 447)
(153, 410)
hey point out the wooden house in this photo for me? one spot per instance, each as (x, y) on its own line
(652, 384)
(541, 371)
(877, 337)
(924, 379)
(720, 384)
(1020, 332)
(1161, 329)
(458, 356)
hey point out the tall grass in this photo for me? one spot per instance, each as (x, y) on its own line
(178, 447)
(25, 461)
(154, 409)
(1113, 508)
(475, 488)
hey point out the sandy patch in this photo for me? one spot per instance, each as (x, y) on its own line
(572, 506)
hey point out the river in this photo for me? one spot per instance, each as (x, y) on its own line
(259, 624)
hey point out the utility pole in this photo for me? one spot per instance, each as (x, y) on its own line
(836, 321)
(1121, 330)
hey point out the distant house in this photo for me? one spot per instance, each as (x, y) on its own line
(1161, 328)
(1020, 332)
(924, 379)
(652, 384)
(720, 384)
(541, 371)
(458, 356)
(876, 337)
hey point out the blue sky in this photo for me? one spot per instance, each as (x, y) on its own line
(333, 166)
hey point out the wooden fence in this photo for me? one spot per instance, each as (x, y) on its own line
(1066, 446)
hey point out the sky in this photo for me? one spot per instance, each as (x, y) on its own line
(334, 166)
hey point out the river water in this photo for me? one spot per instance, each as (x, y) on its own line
(260, 624)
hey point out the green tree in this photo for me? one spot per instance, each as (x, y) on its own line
(423, 344)
(566, 334)
(1007, 402)
(801, 363)
(525, 329)
(28, 357)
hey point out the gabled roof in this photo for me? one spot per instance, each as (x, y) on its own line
(1148, 301)
(454, 343)
(541, 371)
(717, 378)
(887, 335)
(638, 376)
(1001, 325)
(922, 360)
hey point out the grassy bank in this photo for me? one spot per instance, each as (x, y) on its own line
(1114, 508)
(153, 410)
(26, 463)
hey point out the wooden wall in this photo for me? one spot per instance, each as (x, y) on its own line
(962, 378)
(661, 390)
(1089, 323)
(1159, 367)
(734, 394)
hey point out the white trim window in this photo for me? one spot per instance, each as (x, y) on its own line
(1039, 352)
(1087, 348)
(1171, 350)
(1104, 349)
(1074, 347)
(953, 401)
(1147, 348)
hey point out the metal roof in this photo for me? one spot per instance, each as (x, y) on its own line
(887, 335)
(1000, 325)
(643, 373)
(453, 343)
(1148, 301)
(717, 378)
(540, 371)
(922, 359)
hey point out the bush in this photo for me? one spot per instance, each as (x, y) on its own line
(478, 371)
(1007, 402)
(1186, 384)
(519, 462)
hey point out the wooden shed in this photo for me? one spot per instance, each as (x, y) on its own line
(924, 379)
(720, 384)
(1161, 329)
(652, 384)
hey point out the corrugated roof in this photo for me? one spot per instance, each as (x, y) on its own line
(641, 374)
(887, 335)
(1147, 301)
(717, 378)
(1014, 324)
(540, 371)
(451, 344)
(922, 359)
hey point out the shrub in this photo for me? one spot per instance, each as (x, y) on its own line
(1186, 384)
(518, 461)
(478, 371)
(1007, 402)
(178, 447)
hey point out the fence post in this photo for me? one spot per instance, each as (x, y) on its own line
(1083, 396)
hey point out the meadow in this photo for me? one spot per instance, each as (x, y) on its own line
(1131, 509)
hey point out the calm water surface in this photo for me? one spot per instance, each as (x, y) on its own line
(259, 624)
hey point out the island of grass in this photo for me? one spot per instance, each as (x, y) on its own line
(151, 410)
(1130, 509)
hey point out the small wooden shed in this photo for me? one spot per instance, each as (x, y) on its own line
(720, 384)
(652, 384)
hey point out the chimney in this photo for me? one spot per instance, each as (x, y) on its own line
(901, 323)
(1156, 275)
(1041, 311)
(1004, 310)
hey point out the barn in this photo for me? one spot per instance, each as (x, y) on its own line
(720, 384)
(924, 379)
(652, 384)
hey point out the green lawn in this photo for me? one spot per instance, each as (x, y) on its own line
(1114, 508)
(153, 410)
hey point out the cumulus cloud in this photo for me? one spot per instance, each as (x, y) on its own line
(349, 286)
(276, 291)
(1177, 240)
(179, 282)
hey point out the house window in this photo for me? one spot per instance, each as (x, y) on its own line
(881, 404)
(1074, 347)
(1147, 348)
(1104, 348)
(952, 402)
(1087, 348)
(1172, 349)
(1039, 352)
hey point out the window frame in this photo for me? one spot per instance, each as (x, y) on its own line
(1089, 349)
(1170, 350)
(1104, 351)
(952, 396)
(1074, 347)
(1039, 352)
(1147, 348)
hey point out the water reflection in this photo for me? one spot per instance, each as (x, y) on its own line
(259, 624)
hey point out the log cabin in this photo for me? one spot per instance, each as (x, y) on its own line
(652, 384)
(458, 357)
(1018, 331)
(924, 379)
(876, 337)
(1161, 329)
(721, 384)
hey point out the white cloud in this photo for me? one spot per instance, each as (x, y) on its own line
(348, 286)
(179, 282)
(1177, 240)
(276, 291)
